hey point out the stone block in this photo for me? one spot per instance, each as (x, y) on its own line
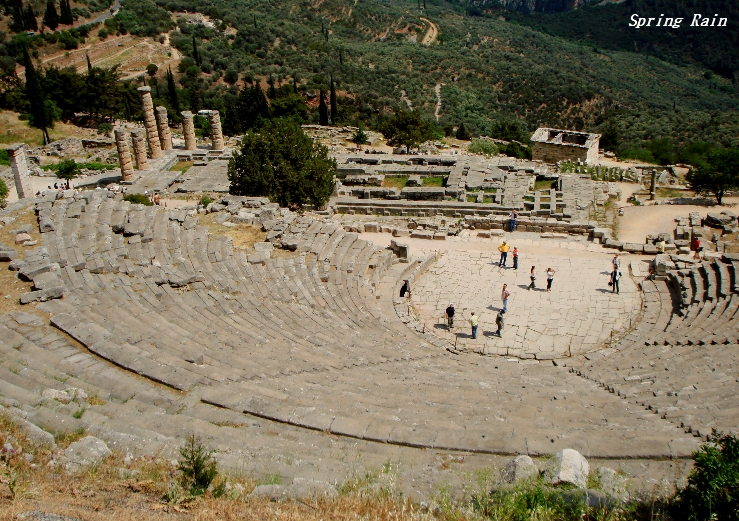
(8, 255)
(15, 265)
(47, 280)
(42, 295)
(260, 257)
(422, 234)
(263, 246)
(372, 227)
(400, 232)
(650, 249)
(439, 236)
(610, 243)
(633, 247)
(87, 452)
(401, 249)
(663, 264)
(33, 270)
(520, 469)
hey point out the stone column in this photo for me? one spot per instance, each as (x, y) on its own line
(19, 166)
(165, 137)
(139, 149)
(216, 135)
(150, 122)
(652, 192)
(124, 154)
(188, 129)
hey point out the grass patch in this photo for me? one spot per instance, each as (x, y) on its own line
(529, 198)
(669, 193)
(488, 199)
(545, 185)
(490, 190)
(65, 439)
(95, 165)
(182, 166)
(471, 198)
(395, 182)
(437, 181)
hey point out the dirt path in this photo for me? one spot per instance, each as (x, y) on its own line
(431, 34)
(437, 90)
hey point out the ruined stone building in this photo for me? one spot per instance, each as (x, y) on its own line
(551, 145)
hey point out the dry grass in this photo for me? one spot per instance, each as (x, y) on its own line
(14, 130)
(11, 286)
(117, 490)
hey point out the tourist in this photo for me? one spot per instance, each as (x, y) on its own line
(532, 276)
(550, 279)
(615, 278)
(500, 323)
(660, 245)
(514, 218)
(515, 258)
(616, 262)
(474, 322)
(450, 316)
(56, 186)
(503, 249)
(504, 297)
(697, 248)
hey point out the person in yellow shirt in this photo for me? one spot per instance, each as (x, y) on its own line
(474, 321)
(503, 249)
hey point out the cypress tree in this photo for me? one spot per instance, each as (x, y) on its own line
(89, 65)
(39, 113)
(334, 104)
(272, 90)
(322, 110)
(18, 21)
(195, 51)
(51, 17)
(65, 13)
(172, 92)
(255, 21)
(30, 16)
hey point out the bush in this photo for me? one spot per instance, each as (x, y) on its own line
(105, 129)
(3, 193)
(102, 34)
(484, 147)
(137, 199)
(152, 69)
(67, 169)
(197, 466)
(4, 157)
(713, 484)
(205, 200)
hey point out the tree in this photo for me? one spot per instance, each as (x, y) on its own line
(65, 13)
(30, 16)
(231, 76)
(67, 169)
(360, 136)
(334, 104)
(152, 69)
(406, 128)
(252, 108)
(284, 164)
(195, 55)
(462, 133)
(3, 193)
(322, 110)
(172, 92)
(272, 92)
(41, 117)
(717, 175)
(51, 16)
(713, 484)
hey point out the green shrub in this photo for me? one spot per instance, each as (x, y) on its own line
(67, 169)
(197, 466)
(483, 147)
(205, 200)
(137, 199)
(713, 485)
(3, 193)
(4, 157)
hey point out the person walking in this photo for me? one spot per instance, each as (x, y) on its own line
(474, 323)
(661, 245)
(515, 258)
(532, 276)
(615, 278)
(504, 294)
(450, 316)
(500, 323)
(616, 262)
(503, 249)
(514, 219)
(550, 279)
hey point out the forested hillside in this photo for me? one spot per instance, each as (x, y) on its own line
(497, 76)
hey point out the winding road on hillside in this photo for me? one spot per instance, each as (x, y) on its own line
(431, 34)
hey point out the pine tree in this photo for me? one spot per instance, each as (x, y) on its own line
(18, 21)
(322, 110)
(40, 117)
(172, 92)
(30, 16)
(334, 104)
(65, 13)
(51, 17)
(195, 55)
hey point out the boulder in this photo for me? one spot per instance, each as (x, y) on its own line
(613, 484)
(719, 220)
(22, 237)
(568, 466)
(520, 469)
(87, 452)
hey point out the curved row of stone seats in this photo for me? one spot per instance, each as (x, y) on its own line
(47, 381)
(234, 298)
(694, 386)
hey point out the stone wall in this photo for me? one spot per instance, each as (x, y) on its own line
(552, 153)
